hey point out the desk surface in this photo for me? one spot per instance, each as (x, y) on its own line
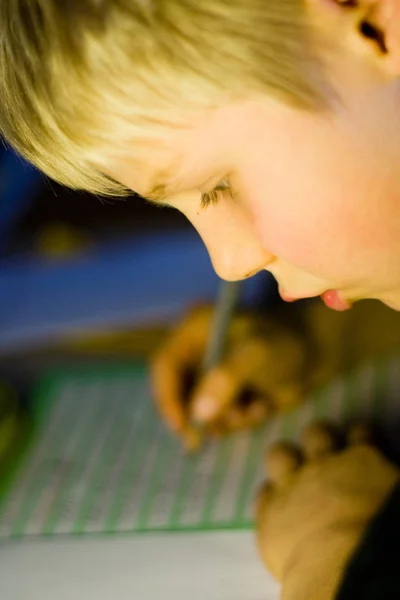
(216, 566)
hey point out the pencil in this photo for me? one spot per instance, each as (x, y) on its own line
(224, 309)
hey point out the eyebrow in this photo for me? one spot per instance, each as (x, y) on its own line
(165, 184)
(160, 186)
(158, 193)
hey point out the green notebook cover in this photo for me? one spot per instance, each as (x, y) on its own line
(101, 461)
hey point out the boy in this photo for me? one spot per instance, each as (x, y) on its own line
(272, 124)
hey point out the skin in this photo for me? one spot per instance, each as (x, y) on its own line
(265, 357)
(313, 197)
(337, 477)
(343, 490)
(279, 359)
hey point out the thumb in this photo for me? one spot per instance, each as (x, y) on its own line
(215, 392)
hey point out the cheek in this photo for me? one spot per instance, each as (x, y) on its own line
(299, 232)
(331, 223)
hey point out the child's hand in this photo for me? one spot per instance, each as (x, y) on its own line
(261, 372)
(316, 506)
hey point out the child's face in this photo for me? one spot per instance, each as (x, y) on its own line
(314, 198)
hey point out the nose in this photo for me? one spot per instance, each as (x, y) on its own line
(234, 249)
(234, 259)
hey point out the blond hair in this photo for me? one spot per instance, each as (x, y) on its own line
(79, 77)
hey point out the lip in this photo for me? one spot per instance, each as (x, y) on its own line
(333, 299)
(288, 297)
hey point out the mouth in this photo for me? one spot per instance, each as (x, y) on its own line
(333, 299)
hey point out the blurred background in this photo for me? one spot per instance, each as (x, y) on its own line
(88, 282)
(88, 278)
(88, 288)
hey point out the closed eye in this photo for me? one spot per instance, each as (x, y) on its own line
(212, 197)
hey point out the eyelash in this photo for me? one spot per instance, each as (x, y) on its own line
(212, 197)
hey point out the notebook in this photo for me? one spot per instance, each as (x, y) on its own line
(101, 461)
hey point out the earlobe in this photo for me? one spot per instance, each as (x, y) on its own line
(390, 18)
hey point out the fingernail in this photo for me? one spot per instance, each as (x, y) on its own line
(204, 409)
(192, 440)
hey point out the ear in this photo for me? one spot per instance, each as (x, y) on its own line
(378, 22)
(390, 15)
(387, 18)
(375, 22)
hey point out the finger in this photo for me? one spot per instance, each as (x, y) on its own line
(186, 343)
(167, 391)
(261, 501)
(360, 432)
(281, 461)
(248, 417)
(258, 411)
(216, 429)
(234, 419)
(192, 439)
(216, 391)
(221, 387)
(193, 331)
(253, 362)
(318, 440)
(269, 364)
(179, 354)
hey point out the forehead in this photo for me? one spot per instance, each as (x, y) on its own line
(163, 162)
(211, 145)
(170, 168)
(150, 169)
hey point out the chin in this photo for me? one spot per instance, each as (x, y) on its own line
(394, 305)
(391, 300)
